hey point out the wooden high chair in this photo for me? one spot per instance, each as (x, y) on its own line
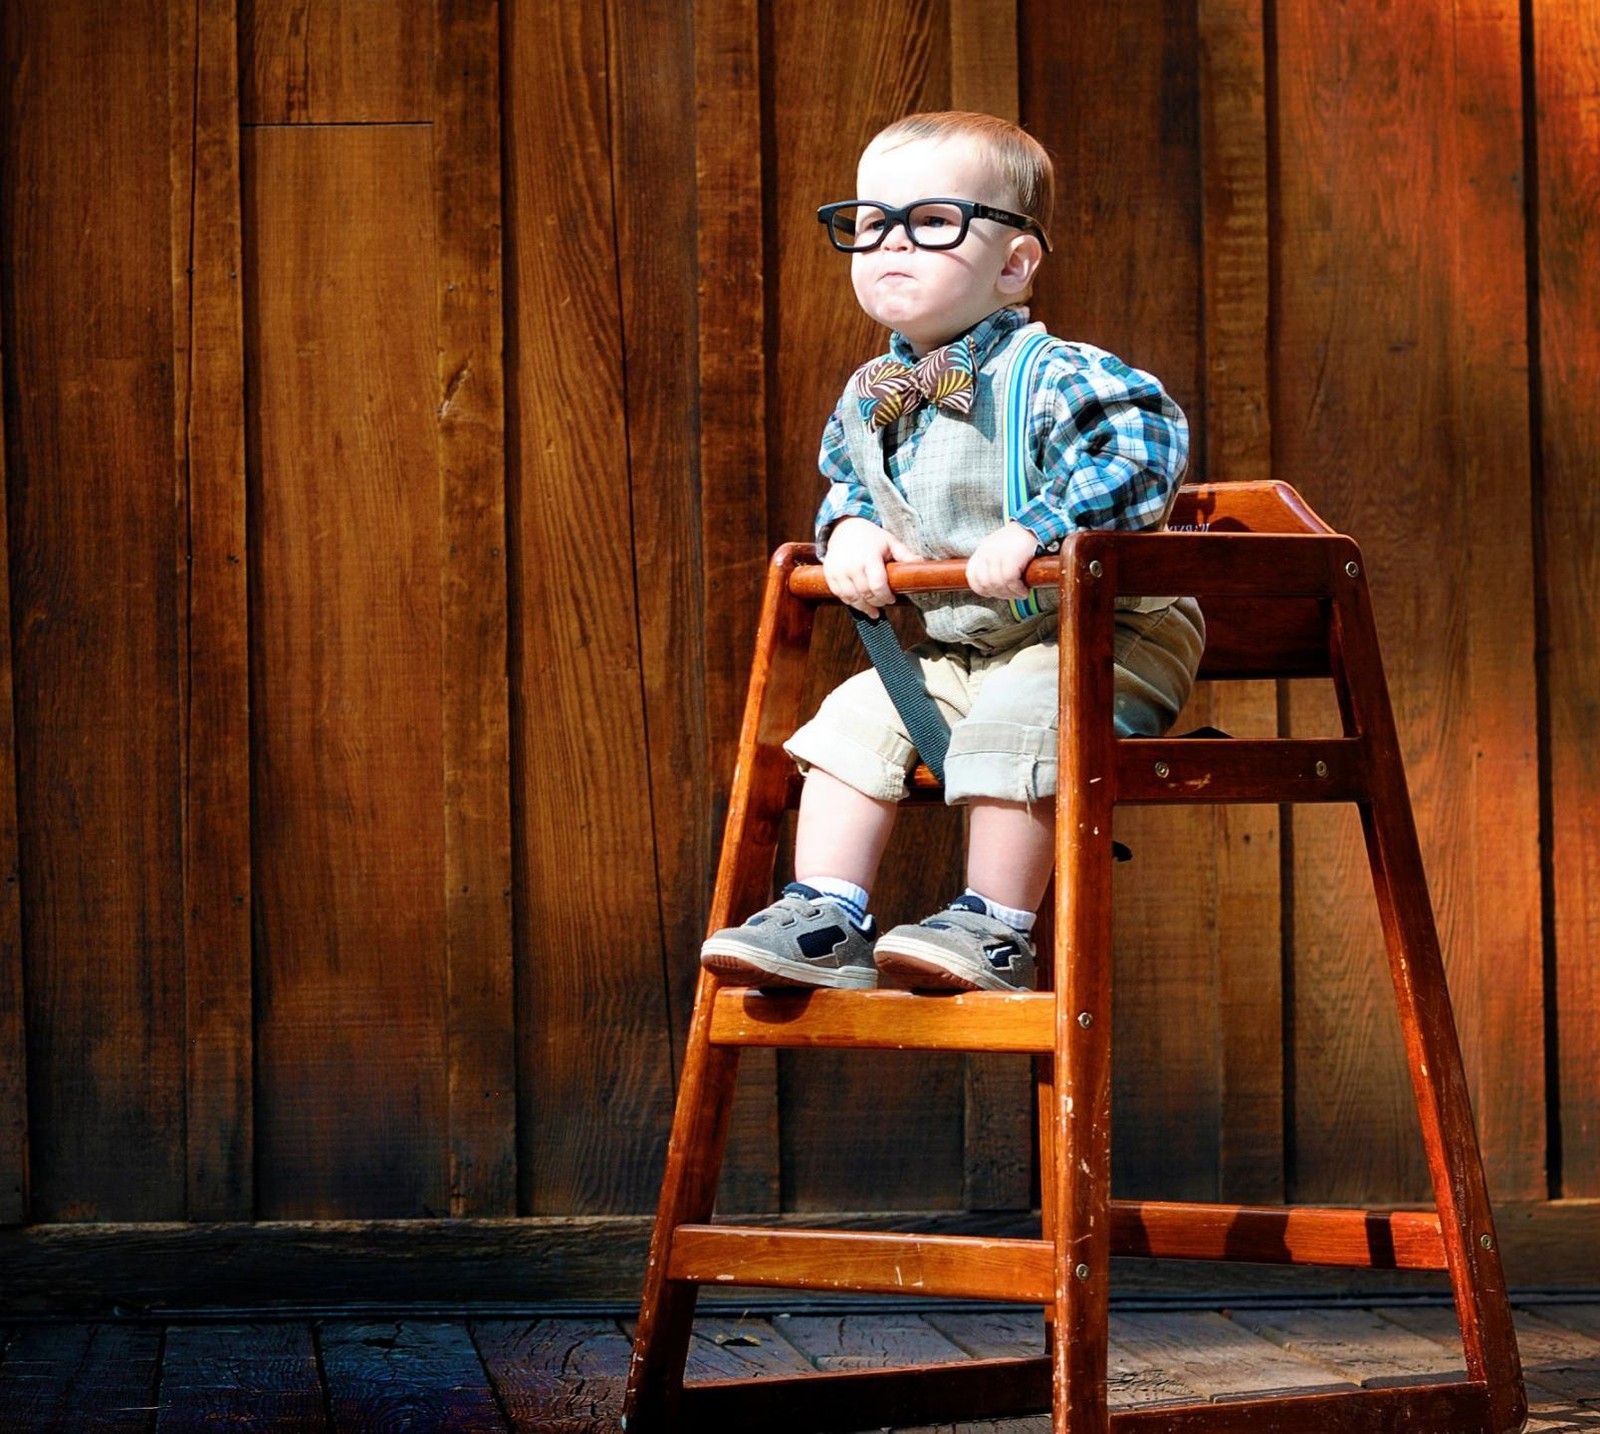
(1284, 596)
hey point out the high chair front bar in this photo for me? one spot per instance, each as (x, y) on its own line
(1284, 596)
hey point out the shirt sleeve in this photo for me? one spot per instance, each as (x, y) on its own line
(847, 495)
(1111, 442)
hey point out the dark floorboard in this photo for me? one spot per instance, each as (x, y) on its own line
(476, 1375)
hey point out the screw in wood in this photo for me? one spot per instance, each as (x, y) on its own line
(1163, 770)
(1094, 568)
(1082, 1272)
(1487, 1241)
(1353, 569)
(1321, 769)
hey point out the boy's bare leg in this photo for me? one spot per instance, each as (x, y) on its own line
(1011, 849)
(841, 832)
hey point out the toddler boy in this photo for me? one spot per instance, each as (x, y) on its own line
(945, 243)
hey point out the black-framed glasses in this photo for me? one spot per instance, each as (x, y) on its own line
(858, 226)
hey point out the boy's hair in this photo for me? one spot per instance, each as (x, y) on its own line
(1017, 157)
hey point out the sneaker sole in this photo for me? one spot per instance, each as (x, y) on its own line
(922, 966)
(743, 965)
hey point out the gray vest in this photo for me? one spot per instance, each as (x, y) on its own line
(951, 496)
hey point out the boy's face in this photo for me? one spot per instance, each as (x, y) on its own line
(932, 295)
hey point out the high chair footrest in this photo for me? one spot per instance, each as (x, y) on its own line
(1022, 1021)
(1279, 1234)
(856, 1262)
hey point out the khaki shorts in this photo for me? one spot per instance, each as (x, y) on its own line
(1002, 707)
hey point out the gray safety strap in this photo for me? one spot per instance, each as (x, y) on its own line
(903, 681)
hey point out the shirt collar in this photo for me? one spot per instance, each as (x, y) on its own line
(986, 335)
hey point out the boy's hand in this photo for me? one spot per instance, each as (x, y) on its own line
(854, 564)
(997, 564)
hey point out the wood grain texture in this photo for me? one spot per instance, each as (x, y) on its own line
(840, 1342)
(1233, 242)
(1566, 56)
(555, 1376)
(85, 1269)
(95, 617)
(13, 1013)
(734, 482)
(355, 62)
(595, 1044)
(60, 1379)
(209, 383)
(254, 1376)
(1216, 1357)
(412, 1374)
(475, 698)
(1400, 411)
(351, 980)
(983, 57)
(655, 144)
(1360, 1344)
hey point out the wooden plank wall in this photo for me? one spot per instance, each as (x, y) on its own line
(382, 537)
(1565, 56)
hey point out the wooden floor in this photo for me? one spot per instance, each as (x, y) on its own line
(464, 1374)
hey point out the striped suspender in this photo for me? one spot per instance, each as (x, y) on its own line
(1014, 442)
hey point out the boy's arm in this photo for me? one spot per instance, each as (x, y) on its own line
(1114, 448)
(853, 547)
(847, 495)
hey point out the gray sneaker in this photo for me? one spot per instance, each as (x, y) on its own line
(962, 948)
(802, 939)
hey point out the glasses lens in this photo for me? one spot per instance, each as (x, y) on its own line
(857, 226)
(937, 226)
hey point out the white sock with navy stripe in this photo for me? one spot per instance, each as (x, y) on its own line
(1016, 920)
(846, 895)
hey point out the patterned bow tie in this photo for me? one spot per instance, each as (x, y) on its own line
(887, 388)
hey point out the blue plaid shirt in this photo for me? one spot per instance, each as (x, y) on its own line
(1111, 442)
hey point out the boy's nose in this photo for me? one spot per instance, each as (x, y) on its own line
(899, 236)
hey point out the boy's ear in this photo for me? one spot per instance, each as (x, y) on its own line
(1022, 263)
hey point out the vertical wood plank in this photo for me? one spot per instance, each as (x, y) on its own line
(210, 418)
(1236, 446)
(1398, 358)
(481, 1039)
(1126, 275)
(342, 344)
(354, 62)
(885, 61)
(13, 1035)
(94, 540)
(653, 128)
(1566, 52)
(594, 1044)
(983, 57)
(1233, 273)
(730, 165)
(997, 1101)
